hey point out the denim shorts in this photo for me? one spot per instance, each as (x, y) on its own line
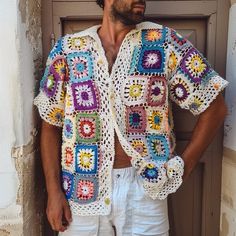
(133, 212)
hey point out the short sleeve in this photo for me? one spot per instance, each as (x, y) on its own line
(193, 84)
(51, 98)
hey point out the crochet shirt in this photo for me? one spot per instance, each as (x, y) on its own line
(155, 65)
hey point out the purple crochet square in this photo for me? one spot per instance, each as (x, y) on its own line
(84, 96)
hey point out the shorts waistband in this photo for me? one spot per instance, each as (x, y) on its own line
(127, 173)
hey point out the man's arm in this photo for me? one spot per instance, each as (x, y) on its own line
(207, 125)
(57, 206)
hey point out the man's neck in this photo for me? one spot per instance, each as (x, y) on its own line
(113, 31)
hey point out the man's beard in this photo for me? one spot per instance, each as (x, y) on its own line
(124, 13)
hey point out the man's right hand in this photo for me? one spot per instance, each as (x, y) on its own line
(58, 212)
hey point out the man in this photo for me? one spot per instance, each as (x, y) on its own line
(109, 88)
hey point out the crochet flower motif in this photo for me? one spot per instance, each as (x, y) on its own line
(69, 156)
(67, 183)
(155, 119)
(134, 90)
(136, 119)
(150, 173)
(139, 145)
(59, 69)
(84, 96)
(151, 60)
(153, 36)
(85, 189)
(68, 128)
(88, 127)
(76, 43)
(195, 66)
(81, 66)
(86, 159)
(158, 147)
(56, 115)
(156, 91)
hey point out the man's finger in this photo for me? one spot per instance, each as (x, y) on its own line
(67, 214)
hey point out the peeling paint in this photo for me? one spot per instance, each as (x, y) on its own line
(228, 200)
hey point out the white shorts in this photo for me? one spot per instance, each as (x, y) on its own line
(133, 212)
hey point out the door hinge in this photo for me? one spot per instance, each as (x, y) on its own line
(52, 40)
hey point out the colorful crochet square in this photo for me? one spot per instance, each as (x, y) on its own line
(153, 36)
(180, 88)
(158, 147)
(139, 144)
(68, 128)
(194, 66)
(172, 62)
(84, 96)
(134, 90)
(151, 60)
(87, 127)
(86, 189)
(56, 115)
(150, 173)
(157, 91)
(49, 83)
(68, 157)
(86, 159)
(136, 119)
(157, 120)
(67, 183)
(75, 43)
(59, 69)
(81, 66)
(177, 39)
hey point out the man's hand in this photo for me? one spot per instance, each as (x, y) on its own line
(58, 212)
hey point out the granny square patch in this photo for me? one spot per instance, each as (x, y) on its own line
(84, 96)
(136, 119)
(158, 147)
(180, 88)
(68, 156)
(86, 159)
(194, 66)
(153, 36)
(68, 128)
(81, 66)
(150, 173)
(56, 115)
(74, 42)
(157, 91)
(134, 90)
(67, 183)
(86, 189)
(151, 60)
(87, 127)
(157, 120)
(50, 82)
(139, 144)
(59, 69)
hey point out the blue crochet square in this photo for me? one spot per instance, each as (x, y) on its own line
(81, 66)
(158, 147)
(86, 159)
(151, 60)
(153, 36)
(67, 183)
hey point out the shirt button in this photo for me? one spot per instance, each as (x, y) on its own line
(107, 201)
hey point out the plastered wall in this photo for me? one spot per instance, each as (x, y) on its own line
(20, 65)
(228, 205)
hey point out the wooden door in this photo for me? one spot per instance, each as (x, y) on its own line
(194, 209)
